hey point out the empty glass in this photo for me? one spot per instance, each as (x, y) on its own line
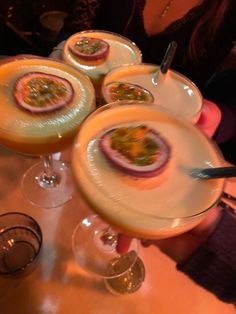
(20, 243)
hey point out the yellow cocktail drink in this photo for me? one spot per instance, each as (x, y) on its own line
(121, 51)
(42, 133)
(160, 206)
(172, 90)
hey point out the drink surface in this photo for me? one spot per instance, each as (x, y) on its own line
(157, 207)
(38, 133)
(172, 91)
(122, 51)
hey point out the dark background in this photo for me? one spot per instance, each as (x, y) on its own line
(20, 29)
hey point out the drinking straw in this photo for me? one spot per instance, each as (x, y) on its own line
(166, 61)
(168, 57)
(214, 173)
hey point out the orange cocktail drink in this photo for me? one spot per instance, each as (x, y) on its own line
(43, 103)
(172, 90)
(41, 132)
(159, 204)
(121, 51)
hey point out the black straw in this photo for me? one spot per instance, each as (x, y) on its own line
(214, 173)
(169, 55)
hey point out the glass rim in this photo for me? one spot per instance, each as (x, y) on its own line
(132, 43)
(37, 232)
(82, 77)
(146, 64)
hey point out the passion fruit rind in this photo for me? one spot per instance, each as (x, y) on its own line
(159, 158)
(116, 91)
(89, 48)
(42, 92)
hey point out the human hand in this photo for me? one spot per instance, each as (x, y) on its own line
(180, 247)
(210, 118)
(228, 198)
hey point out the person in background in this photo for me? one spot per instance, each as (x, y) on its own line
(205, 31)
(22, 25)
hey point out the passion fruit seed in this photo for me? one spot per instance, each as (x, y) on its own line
(133, 144)
(90, 48)
(42, 92)
(139, 150)
(127, 91)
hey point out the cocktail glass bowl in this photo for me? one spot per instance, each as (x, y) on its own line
(48, 184)
(172, 90)
(165, 205)
(122, 51)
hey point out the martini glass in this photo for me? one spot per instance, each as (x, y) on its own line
(171, 90)
(169, 203)
(94, 244)
(48, 183)
(121, 51)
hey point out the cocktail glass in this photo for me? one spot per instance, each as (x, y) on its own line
(20, 243)
(49, 183)
(94, 244)
(171, 90)
(165, 205)
(122, 51)
(161, 206)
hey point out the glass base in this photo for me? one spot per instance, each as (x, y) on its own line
(46, 195)
(129, 282)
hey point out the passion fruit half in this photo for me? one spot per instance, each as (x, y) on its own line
(138, 151)
(42, 92)
(115, 91)
(90, 49)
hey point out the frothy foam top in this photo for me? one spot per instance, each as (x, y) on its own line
(17, 124)
(172, 90)
(122, 51)
(146, 204)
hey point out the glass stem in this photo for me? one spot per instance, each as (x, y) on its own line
(108, 237)
(48, 179)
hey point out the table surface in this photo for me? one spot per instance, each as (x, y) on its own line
(57, 285)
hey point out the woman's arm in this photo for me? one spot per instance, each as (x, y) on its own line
(207, 253)
(213, 264)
